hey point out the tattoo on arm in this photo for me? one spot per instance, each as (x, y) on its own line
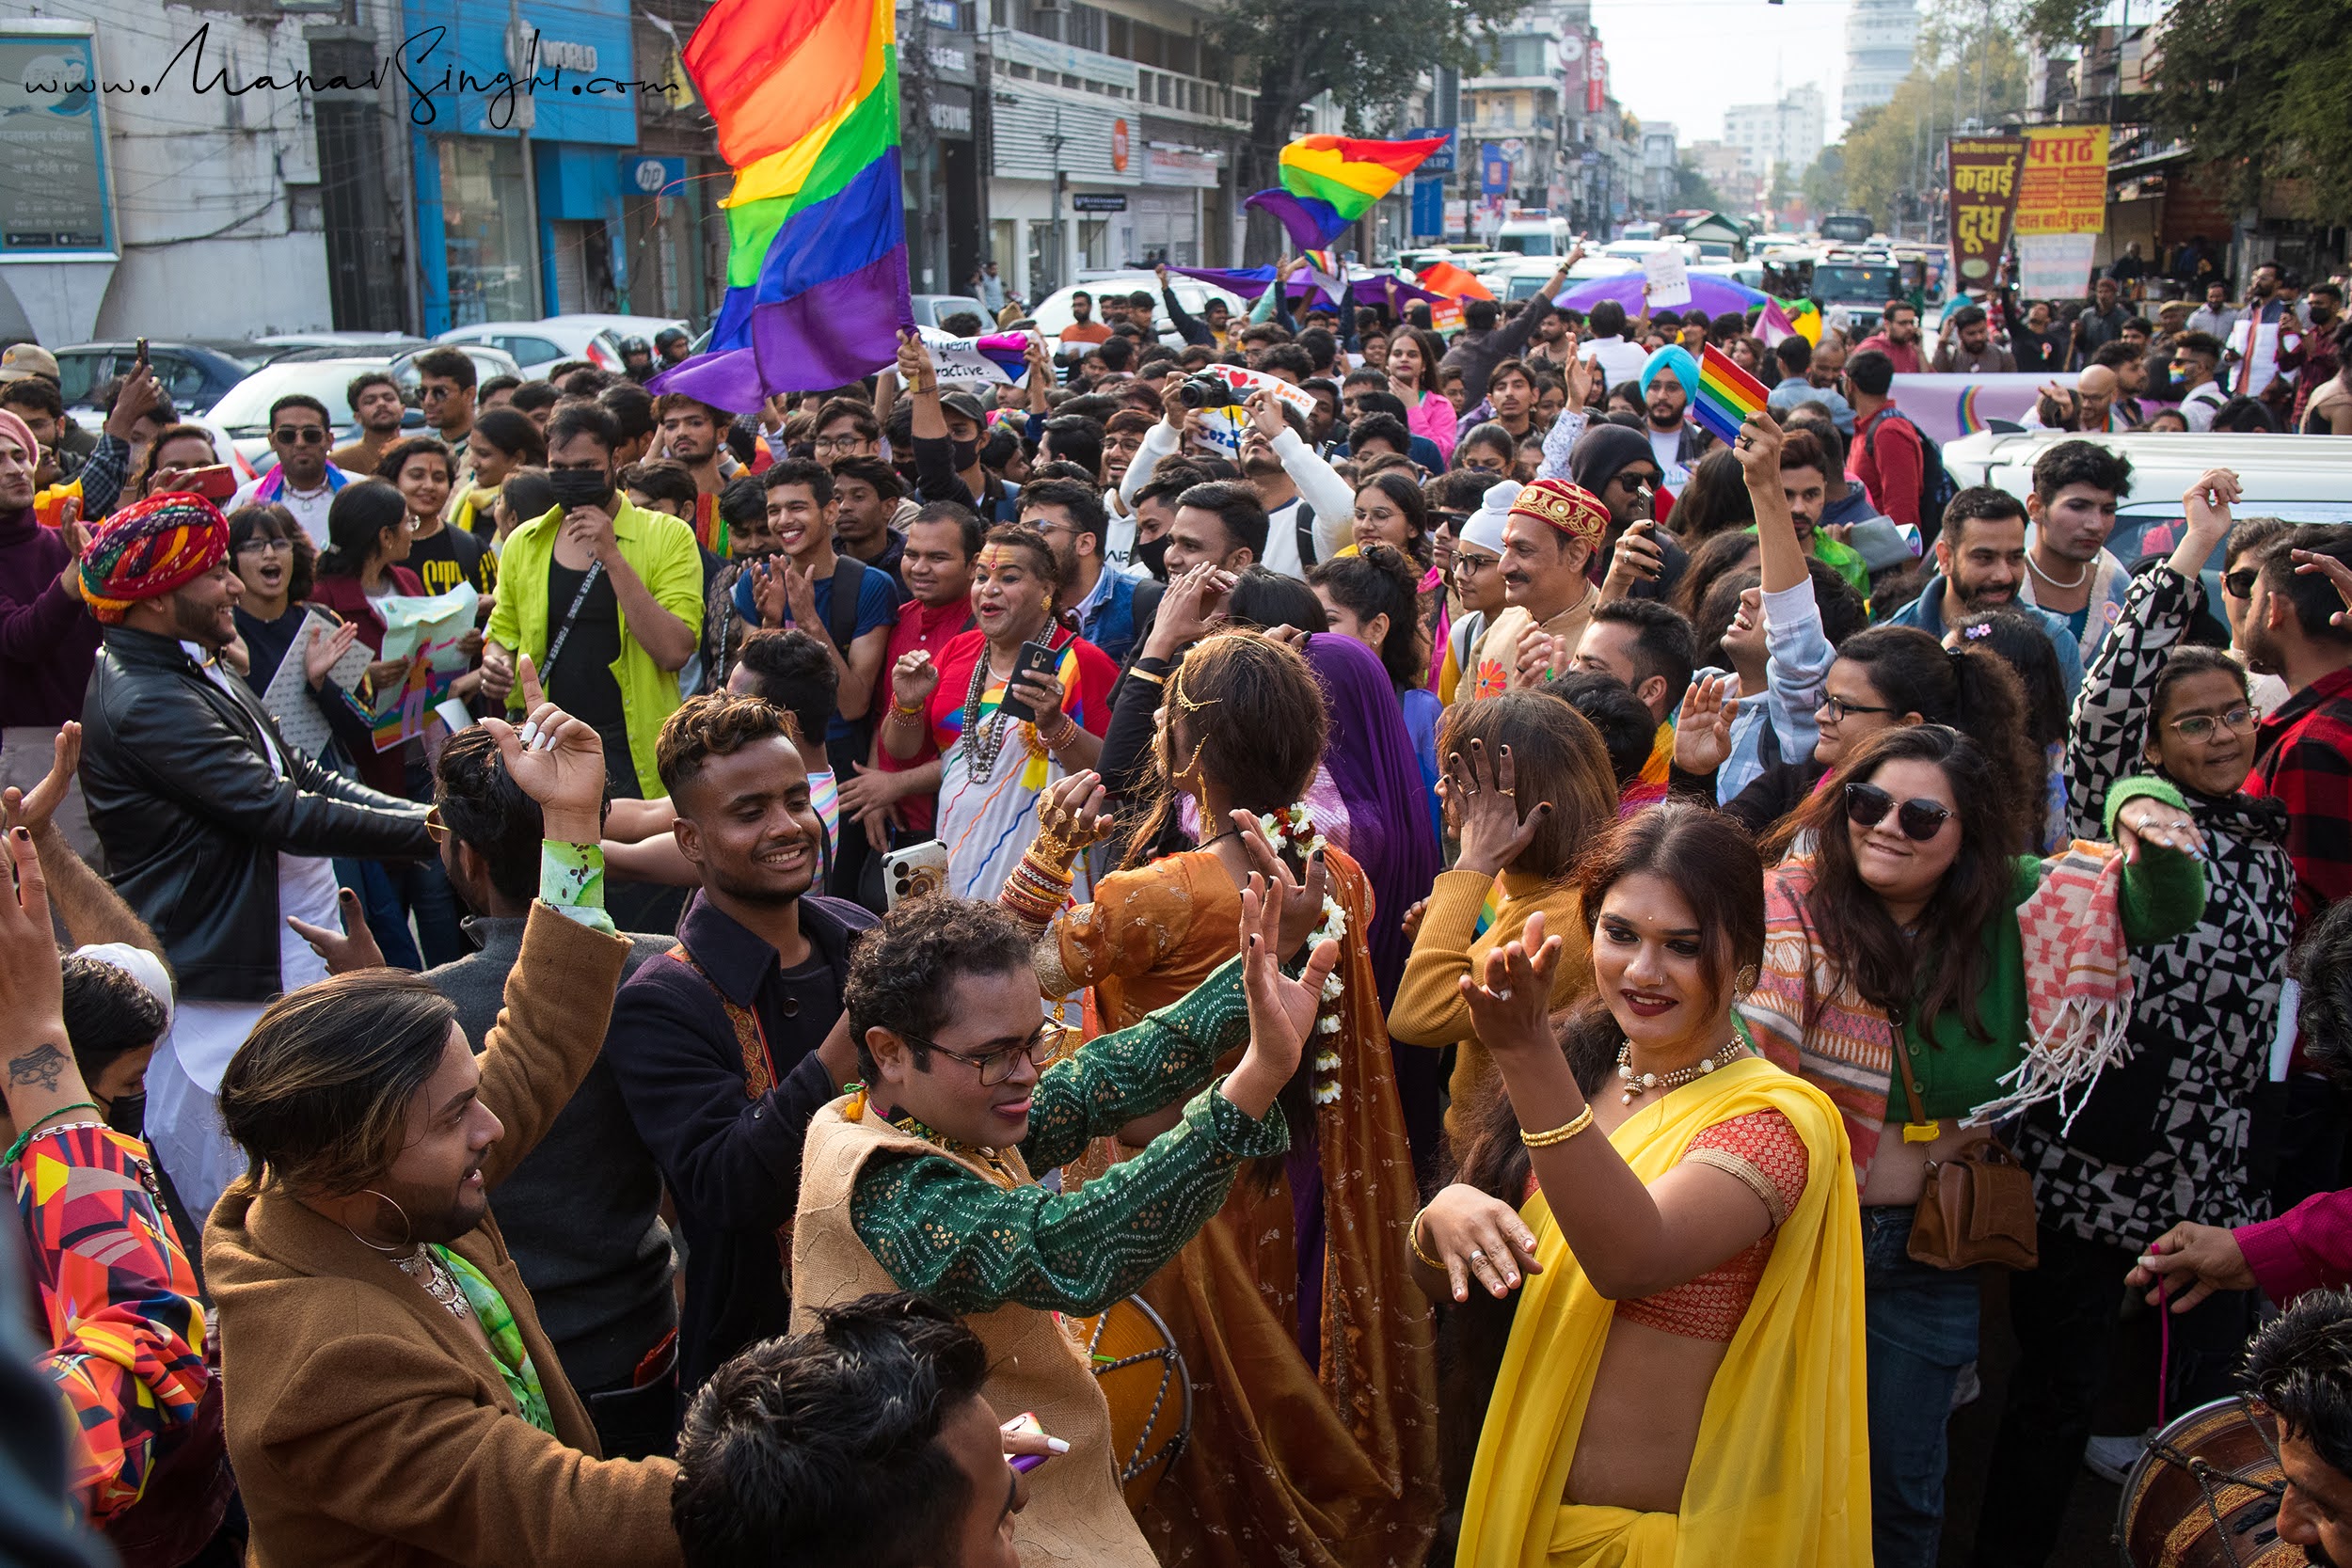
(39, 1068)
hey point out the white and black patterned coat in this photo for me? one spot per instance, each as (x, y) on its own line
(2165, 1136)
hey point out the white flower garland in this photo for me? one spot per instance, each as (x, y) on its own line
(1295, 827)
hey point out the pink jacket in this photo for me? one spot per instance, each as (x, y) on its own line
(1433, 417)
(2308, 1247)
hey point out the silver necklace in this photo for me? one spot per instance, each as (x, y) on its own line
(2080, 578)
(985, 737)
(1637, 1083)
(438, 1281)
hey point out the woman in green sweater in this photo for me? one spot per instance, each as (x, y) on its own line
(1915, 927)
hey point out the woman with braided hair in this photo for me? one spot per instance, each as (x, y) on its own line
(1311, 1358)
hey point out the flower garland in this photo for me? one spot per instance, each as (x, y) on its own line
(1294, 828)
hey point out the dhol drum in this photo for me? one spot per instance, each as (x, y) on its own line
(2206, 1494)
(1142, 1376)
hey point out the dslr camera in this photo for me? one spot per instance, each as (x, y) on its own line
(1208, 391)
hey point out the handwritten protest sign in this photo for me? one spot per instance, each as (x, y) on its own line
(428, 631)
(1666, 280)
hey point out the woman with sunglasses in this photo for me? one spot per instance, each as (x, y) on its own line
(1886, 677)
(1650, 1253)
(1912, 955)
(2166, 1135)
(1312, 1356)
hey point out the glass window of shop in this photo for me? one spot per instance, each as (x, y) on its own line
(485, 216)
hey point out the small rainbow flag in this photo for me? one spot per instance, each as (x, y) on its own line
(1331, 182)
(1727, 395)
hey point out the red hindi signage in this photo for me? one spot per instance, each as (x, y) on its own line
(1984, 179)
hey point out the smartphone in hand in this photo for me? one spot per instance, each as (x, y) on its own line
(1033, 658)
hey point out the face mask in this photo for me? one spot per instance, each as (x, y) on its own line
(967, 453)
(578, 487)
(127, 1114)
(1154, 554)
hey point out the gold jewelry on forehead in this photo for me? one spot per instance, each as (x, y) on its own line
(1176, 693)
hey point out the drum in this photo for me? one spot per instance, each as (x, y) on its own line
(1135, 1361)
(2206, 1494)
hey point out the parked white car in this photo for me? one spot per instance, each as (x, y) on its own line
(538, 345)
(1053, 312)
(243, 415)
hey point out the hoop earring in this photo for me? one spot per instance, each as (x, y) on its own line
(408, 1231)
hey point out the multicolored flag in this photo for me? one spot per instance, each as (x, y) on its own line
(1725, 395)
(1331, 182)
(804, 94)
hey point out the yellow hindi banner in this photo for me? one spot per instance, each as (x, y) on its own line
(2063, 187)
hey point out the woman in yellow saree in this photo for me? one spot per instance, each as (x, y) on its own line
(1682, 1385)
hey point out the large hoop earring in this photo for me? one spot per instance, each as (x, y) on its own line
(408, 1231)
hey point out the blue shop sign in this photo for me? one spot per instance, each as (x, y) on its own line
(491, 68)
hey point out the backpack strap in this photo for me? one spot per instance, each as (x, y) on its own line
(848, 578)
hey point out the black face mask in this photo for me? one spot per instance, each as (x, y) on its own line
(1154, 554)
(580, 488)
(127, 1114)
(967, 453)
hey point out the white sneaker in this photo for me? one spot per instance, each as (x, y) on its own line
(2112, 1458)
(1969, 1387)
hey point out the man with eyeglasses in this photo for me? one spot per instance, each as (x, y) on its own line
(303, 481)
(726, 1045)
(921, 1181)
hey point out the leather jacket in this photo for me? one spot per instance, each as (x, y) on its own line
(192, 814)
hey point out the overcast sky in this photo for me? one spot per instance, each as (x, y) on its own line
(1685, 60)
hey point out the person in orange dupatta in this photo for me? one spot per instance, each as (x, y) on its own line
(1311, 1358)
(1682, 1380)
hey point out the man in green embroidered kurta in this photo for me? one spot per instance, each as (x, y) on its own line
(922, 1180)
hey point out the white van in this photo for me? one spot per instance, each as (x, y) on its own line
(2303, 479)
(1533, 236)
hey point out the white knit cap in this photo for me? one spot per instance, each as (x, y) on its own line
(1485, 528)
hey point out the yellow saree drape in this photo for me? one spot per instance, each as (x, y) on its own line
(1781, 1471)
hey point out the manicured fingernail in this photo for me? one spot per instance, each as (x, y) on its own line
(529, 732)
(1057, 1445)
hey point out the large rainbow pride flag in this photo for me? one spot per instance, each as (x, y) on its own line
(805, 96)
(1331, 182)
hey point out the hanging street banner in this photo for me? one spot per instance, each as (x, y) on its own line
(2063, 187)
(1984, 172)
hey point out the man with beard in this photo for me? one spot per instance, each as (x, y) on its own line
(216, 830)
(1898, 337)
(1806, 462)
(1979, 563)
(1301, 527)
(606, 596)
(402, 1401)
(1965, 346)
(583, 1213)
(1674, 441)
(1826, 368)
(2314, 356)
(2303, 752)
(728, 1043)
(2069, 570)
(895, 801)
(691, 431)
(303, 481)
(1070, 514)
(376, 402)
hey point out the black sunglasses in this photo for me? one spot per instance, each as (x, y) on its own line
(2241, 582)
(1867, 805)
(309, 435)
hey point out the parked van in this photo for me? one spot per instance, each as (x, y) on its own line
(1534, 236)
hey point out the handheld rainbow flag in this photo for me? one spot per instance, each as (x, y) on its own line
(805, 97)
(1725, 396)
(1331, 182)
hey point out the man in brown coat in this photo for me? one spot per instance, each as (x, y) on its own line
(391, 1398)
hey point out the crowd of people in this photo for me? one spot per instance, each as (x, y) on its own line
(1483, 919)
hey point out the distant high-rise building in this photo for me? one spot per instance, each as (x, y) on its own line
(1880, 37)
(1787, 134)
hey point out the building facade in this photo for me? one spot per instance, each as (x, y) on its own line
(1770, 137)
(1880, 36)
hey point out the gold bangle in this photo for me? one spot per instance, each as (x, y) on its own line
(1413, 1239)
(1559, 1134)
(1146, 675)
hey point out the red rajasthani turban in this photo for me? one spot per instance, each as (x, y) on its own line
(1577, 512)
(147, 550)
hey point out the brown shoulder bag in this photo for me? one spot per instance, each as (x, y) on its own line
(1978, 1206)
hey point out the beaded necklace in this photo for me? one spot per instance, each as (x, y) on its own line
(983, 739)
(1642, 1083)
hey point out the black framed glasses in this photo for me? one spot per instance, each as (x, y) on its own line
(1838, 708)
(260, 545)
(2240, 583)
(994, 1067)
(307, 435)
(1867, 806)
(2199, 726)
(1632, 480)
